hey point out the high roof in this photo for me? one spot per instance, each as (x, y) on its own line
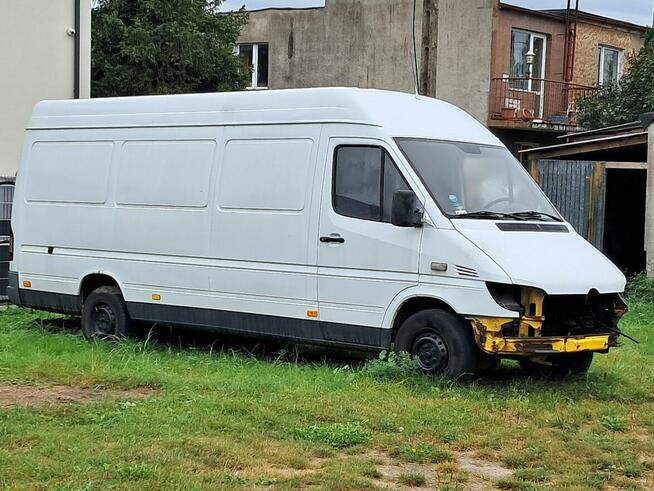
(399, 114)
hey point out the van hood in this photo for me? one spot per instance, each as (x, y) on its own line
(560, 263)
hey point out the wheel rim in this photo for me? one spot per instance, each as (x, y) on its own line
(103, 320)
(431, 352)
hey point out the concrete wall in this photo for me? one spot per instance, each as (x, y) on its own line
(37, 62)
(368, 43)
(464, 54)
(357, 43)
(590, 37)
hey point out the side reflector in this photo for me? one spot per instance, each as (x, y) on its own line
(156, 296)
(27, 284)
(312, 313)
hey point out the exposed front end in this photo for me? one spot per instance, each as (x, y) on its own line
(549, 324)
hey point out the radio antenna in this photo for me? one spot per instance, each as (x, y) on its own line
(415, 52)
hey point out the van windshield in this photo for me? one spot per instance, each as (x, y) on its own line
(468, 180)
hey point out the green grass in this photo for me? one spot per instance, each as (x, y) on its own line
(302, 418)
(416, 479)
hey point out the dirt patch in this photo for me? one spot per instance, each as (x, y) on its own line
(483, 468)
(33, 395)
(466, 472)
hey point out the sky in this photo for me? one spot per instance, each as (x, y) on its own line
(636, 11)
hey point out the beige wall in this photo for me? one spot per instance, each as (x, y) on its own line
(357, 43)
(36, 63)
(465, 30)
(368, 43)
(589, 38)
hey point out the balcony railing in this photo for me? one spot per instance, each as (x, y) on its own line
(536, 100)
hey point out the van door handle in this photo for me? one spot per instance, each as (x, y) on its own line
(338, 240)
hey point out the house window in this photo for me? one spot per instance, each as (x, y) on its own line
(255, 61)
(610, 65)
(524, 76)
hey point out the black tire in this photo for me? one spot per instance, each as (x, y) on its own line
(560, 366)
(105, 316)
(442, 343)
(487, 363)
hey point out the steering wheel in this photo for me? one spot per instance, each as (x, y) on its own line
(496, 202)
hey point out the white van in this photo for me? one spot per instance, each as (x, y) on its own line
(356, 218)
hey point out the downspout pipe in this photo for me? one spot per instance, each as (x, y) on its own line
(78, 49)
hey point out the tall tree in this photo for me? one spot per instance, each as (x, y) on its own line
(164, 47)
(626, 100)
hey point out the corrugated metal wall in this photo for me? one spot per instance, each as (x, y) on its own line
(6, 200)
(578, 189)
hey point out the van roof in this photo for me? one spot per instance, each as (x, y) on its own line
(399, 114)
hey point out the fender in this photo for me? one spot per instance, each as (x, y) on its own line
(470, 299)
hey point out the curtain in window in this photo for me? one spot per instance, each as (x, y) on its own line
(519, 48)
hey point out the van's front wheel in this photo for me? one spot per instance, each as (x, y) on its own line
(104, 315)
(441, 343)
(559, 366)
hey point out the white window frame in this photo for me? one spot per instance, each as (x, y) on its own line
(255, 64)
(600, 66)
(532, 36)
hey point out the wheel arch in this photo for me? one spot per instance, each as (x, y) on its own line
(411, 305)
(91, 281)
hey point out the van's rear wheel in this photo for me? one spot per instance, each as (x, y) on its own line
(104, 315)
(559, 366)
(441, 343)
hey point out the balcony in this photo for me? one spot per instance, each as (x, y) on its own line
(535, 103)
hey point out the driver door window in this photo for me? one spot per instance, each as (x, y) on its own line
(365, 180)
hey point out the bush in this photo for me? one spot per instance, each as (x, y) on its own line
(640, 288)
(390, 365)
(626, 100)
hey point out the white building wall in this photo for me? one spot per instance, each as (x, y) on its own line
(36, 63)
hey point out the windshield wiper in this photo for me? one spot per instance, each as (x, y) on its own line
(490, 215)
(535, 215)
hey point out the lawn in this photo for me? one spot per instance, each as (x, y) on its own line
(189, 413)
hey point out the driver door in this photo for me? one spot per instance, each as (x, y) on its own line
(363, 260)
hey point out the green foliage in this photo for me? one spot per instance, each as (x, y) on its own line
(640, 288)
(221, 418)
(390, 365)
(422, 453)
(134, 472)
(338, 435)
(514, 460)
(614, 423)
(625, 101)
(164, 47)
(416, 479)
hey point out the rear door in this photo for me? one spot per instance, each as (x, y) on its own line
(363, 260)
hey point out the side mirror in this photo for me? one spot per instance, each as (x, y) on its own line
(407, 211)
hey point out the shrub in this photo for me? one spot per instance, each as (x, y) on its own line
(640, 288)
(390, 365)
